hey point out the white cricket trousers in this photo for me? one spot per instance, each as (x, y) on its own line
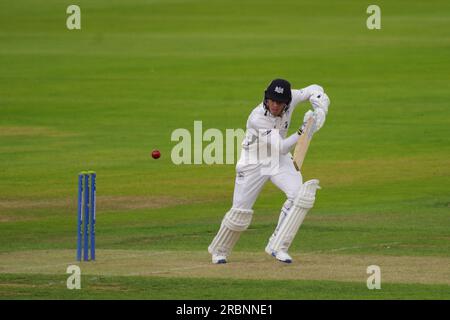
(249, 183)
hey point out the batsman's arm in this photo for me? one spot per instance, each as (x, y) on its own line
(285, 145)
(302, 95)
(289, 142)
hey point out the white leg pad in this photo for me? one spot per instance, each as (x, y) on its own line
(234, 222)
(286, 232)
(283, 214)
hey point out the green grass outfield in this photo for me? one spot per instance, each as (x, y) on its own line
(104, 96)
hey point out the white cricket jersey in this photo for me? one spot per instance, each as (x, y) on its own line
(261, 125)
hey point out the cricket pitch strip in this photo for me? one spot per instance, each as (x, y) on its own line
(242, 265)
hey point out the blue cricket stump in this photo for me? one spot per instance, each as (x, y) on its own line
(86, 218)
(86, 223)
(92, 215)
(80, 215)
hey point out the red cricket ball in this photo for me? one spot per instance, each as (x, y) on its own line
(156, 154)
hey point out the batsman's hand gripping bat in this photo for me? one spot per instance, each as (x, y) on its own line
(303, 143)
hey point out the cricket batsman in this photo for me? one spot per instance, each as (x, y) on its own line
(267, 127)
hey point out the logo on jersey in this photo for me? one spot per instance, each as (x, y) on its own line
(279, 89)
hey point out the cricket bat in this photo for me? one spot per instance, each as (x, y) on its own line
(303, 143)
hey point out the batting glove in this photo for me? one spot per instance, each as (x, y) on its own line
(320, 100)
